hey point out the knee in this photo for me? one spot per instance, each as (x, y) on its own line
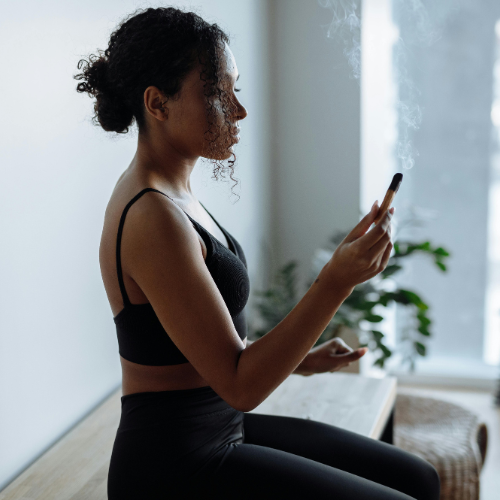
(429, 483)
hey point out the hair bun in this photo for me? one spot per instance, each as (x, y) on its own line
(111, 112)
(94, 76)
(98, 76)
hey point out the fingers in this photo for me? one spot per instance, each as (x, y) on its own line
(350, 357)
(376, 251)
(386, 256)
(339, 341)
(353, 355)
(364, 224)
(379, 231)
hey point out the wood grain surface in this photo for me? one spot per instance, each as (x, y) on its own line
(76, 467)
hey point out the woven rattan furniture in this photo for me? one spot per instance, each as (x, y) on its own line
(448, 436)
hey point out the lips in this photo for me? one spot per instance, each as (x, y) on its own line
(235, 132)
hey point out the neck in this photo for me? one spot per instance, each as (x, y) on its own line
(163, 163)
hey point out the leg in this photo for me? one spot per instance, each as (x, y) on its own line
(345, 451)
(251, 472)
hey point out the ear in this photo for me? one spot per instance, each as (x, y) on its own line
(154, 103)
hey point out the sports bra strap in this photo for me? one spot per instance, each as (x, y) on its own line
(126, 300)
(205, 237)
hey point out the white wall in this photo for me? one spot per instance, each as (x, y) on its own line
(58, 348)
(315, 134)
(298, 163)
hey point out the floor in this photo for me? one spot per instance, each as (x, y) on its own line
(480, 403)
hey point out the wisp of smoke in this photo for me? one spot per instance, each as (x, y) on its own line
(346, 27)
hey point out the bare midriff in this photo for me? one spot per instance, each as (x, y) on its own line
(142, 378)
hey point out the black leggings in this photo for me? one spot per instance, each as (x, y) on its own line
(191, 444)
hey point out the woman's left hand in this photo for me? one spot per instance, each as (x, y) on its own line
(330, 356)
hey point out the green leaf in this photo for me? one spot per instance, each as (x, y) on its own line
(385, 350)
(384, 300)
(410, 248)
(441, 265)
(424, 320)
(423, 330)
(425, 246)
(377, 335)
(373, 318)
(401, 298)
(380, 362)
(421, 349)
(413, 298)
(386, 297)
(441, 251)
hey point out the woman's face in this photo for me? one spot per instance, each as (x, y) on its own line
(191, 128)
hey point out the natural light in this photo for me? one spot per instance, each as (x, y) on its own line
(492, 306)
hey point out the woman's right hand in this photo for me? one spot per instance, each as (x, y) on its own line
(361, 255)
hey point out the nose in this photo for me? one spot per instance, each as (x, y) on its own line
(241, 112)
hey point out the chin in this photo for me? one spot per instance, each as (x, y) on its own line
(220, 154)
(219, 158)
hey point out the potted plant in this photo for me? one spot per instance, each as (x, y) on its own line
(273, 305)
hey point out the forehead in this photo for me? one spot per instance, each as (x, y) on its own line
(229, 71)
(229, 63)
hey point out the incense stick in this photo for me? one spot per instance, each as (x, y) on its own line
(389, 196)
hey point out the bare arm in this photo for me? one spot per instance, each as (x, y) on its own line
(267, 362)
(297, 371)
(162, 253)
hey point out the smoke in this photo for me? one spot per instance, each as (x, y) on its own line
(421, 27)
(346, 27)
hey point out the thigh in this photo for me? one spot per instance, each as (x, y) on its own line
(346, 451)
(250, 472)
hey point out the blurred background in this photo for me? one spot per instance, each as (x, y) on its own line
(340, 96)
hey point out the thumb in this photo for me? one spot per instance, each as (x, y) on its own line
(355, 355)
(364, 224)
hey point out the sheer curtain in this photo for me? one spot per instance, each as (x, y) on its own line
(447, 73)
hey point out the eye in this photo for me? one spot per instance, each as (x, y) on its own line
(237, 90)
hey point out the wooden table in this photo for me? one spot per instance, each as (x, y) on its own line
(76, 467)
(360, 404)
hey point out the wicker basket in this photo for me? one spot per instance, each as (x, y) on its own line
(448, 436)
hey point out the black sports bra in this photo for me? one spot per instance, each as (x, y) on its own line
(142, 338)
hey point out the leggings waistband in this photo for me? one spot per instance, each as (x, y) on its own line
(144, 409)
(172, 395)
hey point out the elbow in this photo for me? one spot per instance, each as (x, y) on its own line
(244, 400)
(243, 408)
(240, 404)
(244, 403)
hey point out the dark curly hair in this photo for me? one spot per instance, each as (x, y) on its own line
(157, 47)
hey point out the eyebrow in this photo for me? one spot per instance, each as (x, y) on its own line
(227, 77)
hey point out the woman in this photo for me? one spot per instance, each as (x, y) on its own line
(177, 284)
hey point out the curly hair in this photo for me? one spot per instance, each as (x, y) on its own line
(157, 47)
